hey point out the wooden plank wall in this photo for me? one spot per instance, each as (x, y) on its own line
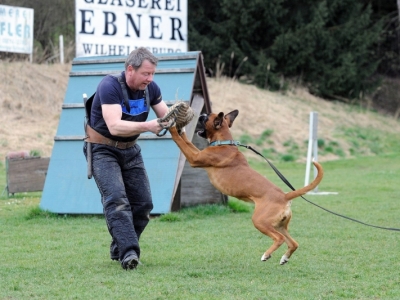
(26, 174)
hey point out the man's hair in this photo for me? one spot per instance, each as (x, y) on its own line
(137, 56)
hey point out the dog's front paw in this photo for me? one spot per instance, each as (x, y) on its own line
(181, 130)
(265, 257)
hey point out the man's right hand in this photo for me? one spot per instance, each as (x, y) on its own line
(156, 127)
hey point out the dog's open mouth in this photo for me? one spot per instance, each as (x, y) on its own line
(202, 120)
(202, 133)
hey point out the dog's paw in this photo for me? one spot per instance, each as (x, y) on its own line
(181, 130)
(284, 260)
(265, 257)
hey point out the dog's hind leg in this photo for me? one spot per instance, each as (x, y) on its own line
(291, 243)
(269, 230)
(278, 240)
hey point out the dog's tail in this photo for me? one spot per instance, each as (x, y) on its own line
(311, 186)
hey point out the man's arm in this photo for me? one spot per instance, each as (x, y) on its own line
(160, 109)
(112, 114)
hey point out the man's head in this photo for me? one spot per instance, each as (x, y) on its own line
(140, 67)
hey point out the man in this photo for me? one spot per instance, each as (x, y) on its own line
(117, 117)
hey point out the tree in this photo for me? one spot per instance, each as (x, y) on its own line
(241, 27)
(333, 49)
(328, 44)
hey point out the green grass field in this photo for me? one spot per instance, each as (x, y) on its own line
(213, 252)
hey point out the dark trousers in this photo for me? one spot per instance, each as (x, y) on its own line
(125, 194)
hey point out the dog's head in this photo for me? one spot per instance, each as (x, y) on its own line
(212, 124)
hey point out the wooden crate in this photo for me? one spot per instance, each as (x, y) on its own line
(26, 174)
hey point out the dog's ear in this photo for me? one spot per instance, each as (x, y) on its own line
(218, 120)
(231, 117)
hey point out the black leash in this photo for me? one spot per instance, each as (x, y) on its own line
(283, 178)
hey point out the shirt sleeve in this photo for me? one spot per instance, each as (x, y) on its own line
(154, 93)
(108, 91)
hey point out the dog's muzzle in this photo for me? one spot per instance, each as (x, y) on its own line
(203, 120)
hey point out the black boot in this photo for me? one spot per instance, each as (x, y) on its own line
(130, 260)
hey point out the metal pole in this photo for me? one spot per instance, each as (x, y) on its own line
(61, 49)
(315, 144)
(312, 152)
(309, 151)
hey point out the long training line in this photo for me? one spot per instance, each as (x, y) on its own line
(280, 175)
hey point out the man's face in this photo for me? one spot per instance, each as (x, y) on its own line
(140, 78)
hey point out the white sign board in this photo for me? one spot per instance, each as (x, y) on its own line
(16, 29)
(116, 27)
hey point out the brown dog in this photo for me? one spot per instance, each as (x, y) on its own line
(230, 173)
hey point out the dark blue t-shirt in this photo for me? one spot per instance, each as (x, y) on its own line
(109, 91)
